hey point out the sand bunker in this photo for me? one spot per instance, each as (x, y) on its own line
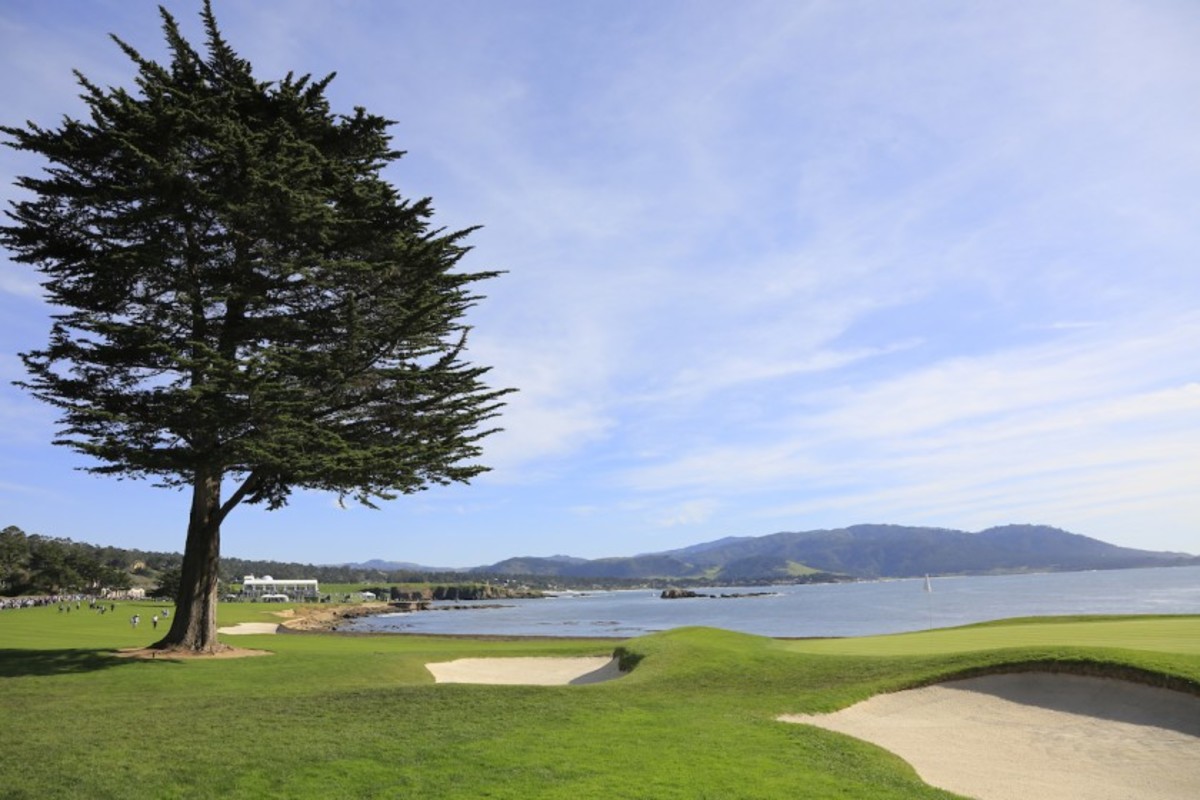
(526, 671)
(249, 627)
(1037, 735)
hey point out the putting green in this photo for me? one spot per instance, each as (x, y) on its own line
(1175, 634)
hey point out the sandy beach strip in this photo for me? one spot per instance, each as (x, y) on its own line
(1037, 735)
(250, 627)
(540, 671)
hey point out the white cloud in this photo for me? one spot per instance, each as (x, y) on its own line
(19, 281)
(822, 260)
(535, 435)
(691, 512)
(1062, 419)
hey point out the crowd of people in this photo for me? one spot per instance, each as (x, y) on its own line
(74, 602)
(61, 600)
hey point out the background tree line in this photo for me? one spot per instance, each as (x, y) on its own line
(34, 564)
(37, 564)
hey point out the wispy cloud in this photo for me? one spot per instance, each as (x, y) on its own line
(1070, 431)
(690, 512)
(20, 283)
(775, 263)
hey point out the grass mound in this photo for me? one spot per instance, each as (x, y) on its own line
(360, 716)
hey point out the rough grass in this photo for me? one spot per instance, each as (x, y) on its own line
(359, 716)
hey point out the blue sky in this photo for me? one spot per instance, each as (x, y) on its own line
(770, 265)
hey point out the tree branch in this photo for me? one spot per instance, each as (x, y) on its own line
(248, 486)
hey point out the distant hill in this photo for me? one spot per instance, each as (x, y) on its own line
(861, 551)
(530, 565)
(381, 565)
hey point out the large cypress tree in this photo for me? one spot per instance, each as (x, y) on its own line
(242, 300)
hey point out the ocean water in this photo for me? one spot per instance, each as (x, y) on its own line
(842, 609)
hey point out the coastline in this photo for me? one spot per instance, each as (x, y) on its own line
(325, 619)
(820, 611)
(328, 619)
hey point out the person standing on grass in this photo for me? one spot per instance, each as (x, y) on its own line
(154, 621)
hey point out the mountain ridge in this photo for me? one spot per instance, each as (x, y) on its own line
(858, 551)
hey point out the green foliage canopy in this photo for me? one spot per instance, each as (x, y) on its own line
(239, 286)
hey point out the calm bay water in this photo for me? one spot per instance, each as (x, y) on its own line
(843, 609)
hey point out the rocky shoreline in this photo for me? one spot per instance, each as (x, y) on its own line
(327, 618)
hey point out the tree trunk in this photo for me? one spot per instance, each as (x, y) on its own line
(194, 625)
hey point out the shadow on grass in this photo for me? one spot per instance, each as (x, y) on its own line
(26, 663)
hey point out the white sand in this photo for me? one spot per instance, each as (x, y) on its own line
(526, 671)
(250, 627)
(1037, 736)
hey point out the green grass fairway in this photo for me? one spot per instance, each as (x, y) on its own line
(359, 716)
(1175, 634)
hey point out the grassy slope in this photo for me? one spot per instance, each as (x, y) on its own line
(360, 717)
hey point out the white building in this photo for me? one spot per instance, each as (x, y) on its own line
(294, 588)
